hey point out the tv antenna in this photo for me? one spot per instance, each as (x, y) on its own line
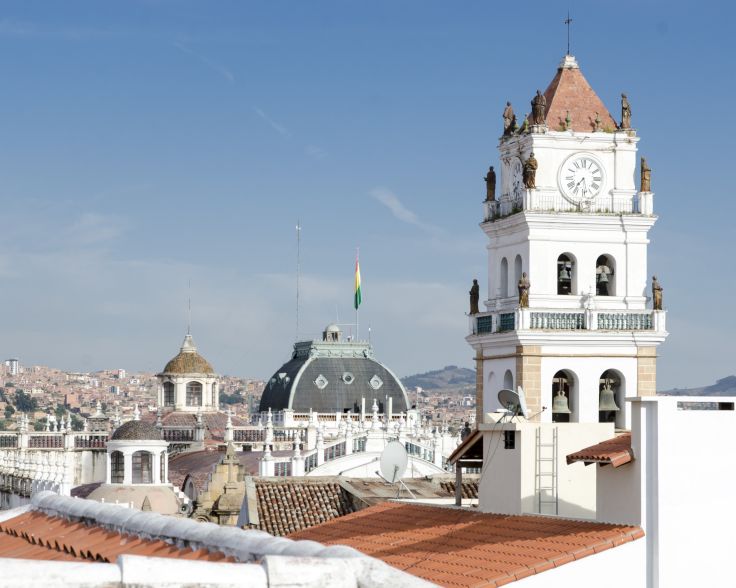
(394, 461)
(513, 402)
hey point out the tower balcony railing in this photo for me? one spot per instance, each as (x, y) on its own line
(552, 201)
(527, 319)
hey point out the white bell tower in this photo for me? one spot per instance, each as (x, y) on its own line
(568, 214)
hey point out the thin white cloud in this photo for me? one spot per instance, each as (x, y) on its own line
(216, 67)
(315, 152)
(280, 129)
(92, 228)
(401, 212)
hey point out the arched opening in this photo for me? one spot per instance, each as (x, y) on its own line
(566, 277)
(504, 278)
(117, 467)
(169, 394)
(194, 394)
(142, 467)
(489, 394)
(605, 276)
(517, 269)
(508, 380)
(564, 397)
(611, 394)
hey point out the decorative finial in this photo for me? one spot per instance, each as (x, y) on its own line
(136, 413)
(568, 22)
(597, 123)
(568, 121)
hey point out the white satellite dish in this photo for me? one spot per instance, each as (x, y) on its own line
(513, 402)
(394, 461)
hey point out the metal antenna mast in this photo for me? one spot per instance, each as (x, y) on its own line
(189, 309)
(568, 22)
(298, 270)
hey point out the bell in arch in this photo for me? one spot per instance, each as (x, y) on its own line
(560, 405)
(606, 400)
(564, 273)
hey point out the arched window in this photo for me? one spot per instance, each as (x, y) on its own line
(508, 380)
(504, 278)
(142, 467)
(564, 398)
(566, 274)
(117, 467)
(611, 396)
(605, 276)
(194, 394)
(168, 394)
(517, 269)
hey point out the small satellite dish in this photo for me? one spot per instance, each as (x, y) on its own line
(513, 402)
(394, 461)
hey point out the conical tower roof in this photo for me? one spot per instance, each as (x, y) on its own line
(188, 361)
(569, 92)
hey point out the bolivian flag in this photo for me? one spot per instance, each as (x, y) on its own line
(358, 297)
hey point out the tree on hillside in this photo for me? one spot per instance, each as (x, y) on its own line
(24, 402)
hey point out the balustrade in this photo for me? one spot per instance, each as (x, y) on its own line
(625, 321)
(557, 320)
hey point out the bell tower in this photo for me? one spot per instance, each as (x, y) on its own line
(571, 315)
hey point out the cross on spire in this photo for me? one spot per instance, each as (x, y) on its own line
(568, 22)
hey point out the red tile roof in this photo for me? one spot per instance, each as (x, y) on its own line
(569, 91)
(460, 547)
(35, 535)
(616, 451)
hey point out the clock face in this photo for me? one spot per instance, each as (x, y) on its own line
(517, 184)
(581, 178)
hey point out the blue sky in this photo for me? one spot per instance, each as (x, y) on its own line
(146, 144)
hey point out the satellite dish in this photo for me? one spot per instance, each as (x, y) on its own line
(513, 402)
(394, 460)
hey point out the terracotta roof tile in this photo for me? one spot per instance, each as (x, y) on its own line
(35, 535)
(616, 451)
(569, 91)
(460, 547)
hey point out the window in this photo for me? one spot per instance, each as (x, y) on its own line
(508, 380)
(509, 439)
(168, 394)
(504, 278)
(142, 467)
(565, 274)
(162, 465)
(117, 467)
(605, 276)
(194, 394)
(215, 402)
(517, 269)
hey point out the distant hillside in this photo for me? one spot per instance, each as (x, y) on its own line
(450, 376)
(723, 387)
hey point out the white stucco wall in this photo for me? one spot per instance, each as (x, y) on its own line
(620, 567)
(680, 488)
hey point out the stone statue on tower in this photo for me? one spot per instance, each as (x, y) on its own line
(530, 172)
(490, 184)
(539, 108)
(625, 112)
(474, 297)
(508, 117)
(656, 294)
(524, 291)
(646, 176)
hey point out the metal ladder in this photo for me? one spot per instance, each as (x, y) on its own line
(545, 474)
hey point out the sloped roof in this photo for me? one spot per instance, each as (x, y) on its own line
(569, 91)
(616, 451)
(36, 535)
(188, 361)
(136, 431)
(460, 547)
